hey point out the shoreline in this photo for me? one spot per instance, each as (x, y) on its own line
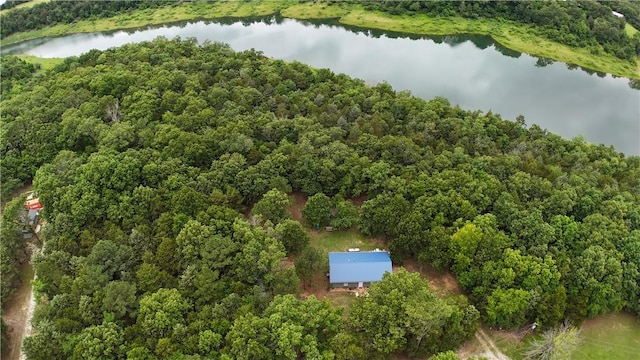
(516, 37)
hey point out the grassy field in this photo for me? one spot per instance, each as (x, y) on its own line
(327, 241)
(45, 63)
(611, 336)
(513, 36)
(140, 18)
(25, 5)
(630, 30)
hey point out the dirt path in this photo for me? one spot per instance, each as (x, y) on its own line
(492, 351)
(17, 314)
(19, 308)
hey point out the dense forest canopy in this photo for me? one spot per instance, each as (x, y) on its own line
(147, 157)
(589, 24)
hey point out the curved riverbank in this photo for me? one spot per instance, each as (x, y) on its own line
(517, 37)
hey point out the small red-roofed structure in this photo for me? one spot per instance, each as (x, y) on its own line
(33, 204)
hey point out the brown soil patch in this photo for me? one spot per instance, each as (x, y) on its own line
(295, 209)
(16, 313)
(318, 286)
(442, 282)
(470, 349)
(358, 200)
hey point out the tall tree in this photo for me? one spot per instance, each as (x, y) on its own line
(272, 206)
(317, 210)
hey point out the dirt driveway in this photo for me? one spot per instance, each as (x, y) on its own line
(17, 315)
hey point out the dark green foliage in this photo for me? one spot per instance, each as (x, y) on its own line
(346, 214)
(272, 206)
(10, 4)
(317, 210)
(13, 247)
(402, 314)
(293, 236)
(13, 71)
(4, 336)
(309, 263)
(145, 205)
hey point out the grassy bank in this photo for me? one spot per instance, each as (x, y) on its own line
(517, 37)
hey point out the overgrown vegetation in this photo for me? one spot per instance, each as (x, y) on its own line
(146, 156)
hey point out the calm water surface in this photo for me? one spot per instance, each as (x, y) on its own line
(472, 72)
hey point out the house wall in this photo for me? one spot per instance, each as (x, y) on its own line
(353, 285)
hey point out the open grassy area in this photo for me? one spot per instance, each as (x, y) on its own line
(314, 11)
(24, 5)
(611, 336)
(45, 63)
(630, 30)
(514, 36)
(327, 241)
(182, 12)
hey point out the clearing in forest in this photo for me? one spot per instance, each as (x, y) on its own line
(442, 283)
(610, 336)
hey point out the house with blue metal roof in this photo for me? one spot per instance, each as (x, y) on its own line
(357, 269)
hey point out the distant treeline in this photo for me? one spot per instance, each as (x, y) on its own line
(589, 24)
(65, 12)
(10, 4)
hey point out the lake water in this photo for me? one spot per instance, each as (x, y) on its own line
(471, 71)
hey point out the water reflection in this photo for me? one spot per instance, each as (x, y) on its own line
(472, 71)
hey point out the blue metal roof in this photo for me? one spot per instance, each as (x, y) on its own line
(349, 267)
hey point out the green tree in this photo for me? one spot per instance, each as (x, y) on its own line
(317, 210)
(346, 215)
(12, 244)
(308, 264)
(46, 344)
(104, 341)
(161, 312)
(447, 355)
(401, 313)
(292, 235)
(508, 308)
(120, 299)
(272, 206)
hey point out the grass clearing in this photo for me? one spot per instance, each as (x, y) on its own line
(611, 336)
(24, 5)
(314, 11)
(45, 63)
(341, 240)
(342, 299)
(521, 38)
(630, 30)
